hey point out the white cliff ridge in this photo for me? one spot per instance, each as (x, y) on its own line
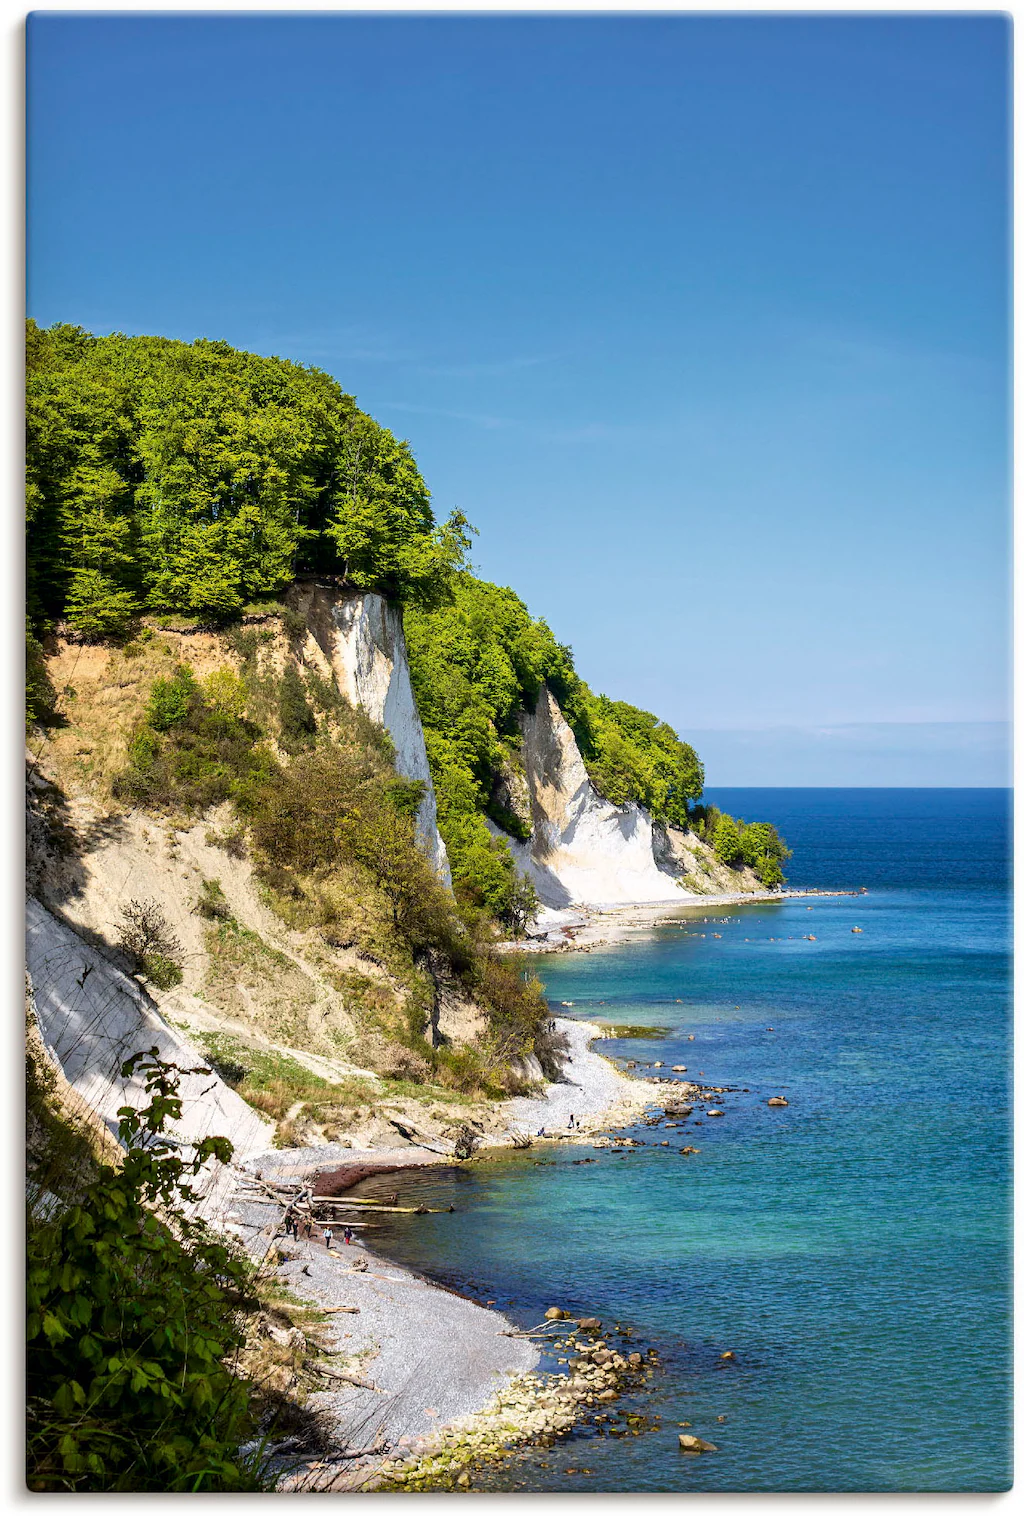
(584, 849)
(361, 636)
(92, 1018)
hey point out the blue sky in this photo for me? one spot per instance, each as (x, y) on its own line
(701, 321)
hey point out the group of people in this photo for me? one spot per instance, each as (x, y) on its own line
(293, 1220)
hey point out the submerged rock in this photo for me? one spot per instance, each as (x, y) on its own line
(690, 1444)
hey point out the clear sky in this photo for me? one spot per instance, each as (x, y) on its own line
(701, 321)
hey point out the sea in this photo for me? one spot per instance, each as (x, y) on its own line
(851, 1250)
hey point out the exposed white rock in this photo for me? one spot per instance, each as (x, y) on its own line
(92, 1018)
(584, 849)
(362, 637)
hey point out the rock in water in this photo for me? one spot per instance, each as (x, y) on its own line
(589, 1324)
(778, 1100)
(555, 1313)
(690, 1444)
(716, 1113)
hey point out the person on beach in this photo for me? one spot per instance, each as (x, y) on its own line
(328, 1237)
(348, 1235)
(541, 1132)
(572, 1121)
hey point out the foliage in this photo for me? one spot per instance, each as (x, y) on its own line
(40, 695)
(727, 841)
(133, 1319)
(192, 752)
(295, 714)
(477, 663)
(212, 902)
(149, 943)
(167, 476)
(755, 843)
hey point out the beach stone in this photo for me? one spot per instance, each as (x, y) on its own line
(688, 1443)
(589, 1324)
(679, 1068)
(636, 1360)
(778, 1100)
(716, 1113)
(555, 1313)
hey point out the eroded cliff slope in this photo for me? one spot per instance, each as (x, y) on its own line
(583, 850)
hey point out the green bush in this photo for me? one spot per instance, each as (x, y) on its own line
(170, 699)
(297, 721)
(134, 1317)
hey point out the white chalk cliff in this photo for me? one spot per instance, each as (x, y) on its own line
(92, 1018)
(362, 638)
(584, 850)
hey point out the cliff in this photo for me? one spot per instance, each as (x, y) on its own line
(584, 850)
(361, 638)
(306, 1005)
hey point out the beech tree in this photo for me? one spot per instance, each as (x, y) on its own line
(190, 477)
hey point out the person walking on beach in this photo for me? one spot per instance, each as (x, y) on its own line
(328, 1237)
(572, 1121)
(348, 1235)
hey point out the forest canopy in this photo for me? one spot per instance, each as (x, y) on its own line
(168, 476)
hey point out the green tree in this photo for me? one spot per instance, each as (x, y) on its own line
(191, 477)
(727, 840)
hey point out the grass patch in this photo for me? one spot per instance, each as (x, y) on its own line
(624, 1032)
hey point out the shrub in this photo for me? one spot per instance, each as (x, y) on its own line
(133, 1320)
(150, 945)
(170, 699)
(224, 692)
(298, 723)
(212, 902)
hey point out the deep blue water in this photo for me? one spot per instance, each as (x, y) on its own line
(851, 1249)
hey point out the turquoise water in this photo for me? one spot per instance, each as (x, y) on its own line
(851, 1249)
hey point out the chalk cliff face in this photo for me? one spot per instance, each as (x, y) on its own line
(586, 851)
(92, 1018)
(362, 638)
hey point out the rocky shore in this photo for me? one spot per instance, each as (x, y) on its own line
(418, 1381)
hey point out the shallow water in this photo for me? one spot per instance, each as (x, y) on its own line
(851, 1249)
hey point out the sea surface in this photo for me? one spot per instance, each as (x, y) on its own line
(851, 1249)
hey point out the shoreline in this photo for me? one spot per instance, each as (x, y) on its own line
(578, 929)
(444, 1379)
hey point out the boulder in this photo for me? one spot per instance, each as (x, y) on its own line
(589, 1324)
(690, 1444)
(778, 1100)
(730, 1354)
(679, 1068)
(555, 1313)
(716, 1113)
(636, 1360)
